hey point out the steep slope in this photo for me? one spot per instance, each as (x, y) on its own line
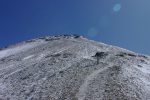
(64, 68)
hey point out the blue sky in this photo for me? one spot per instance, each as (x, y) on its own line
(124, 23)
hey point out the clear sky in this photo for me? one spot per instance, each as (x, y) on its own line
(124, 23)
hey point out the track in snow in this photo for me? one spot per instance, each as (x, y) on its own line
(83, 88)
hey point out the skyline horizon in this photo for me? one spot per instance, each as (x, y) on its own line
(84, 36)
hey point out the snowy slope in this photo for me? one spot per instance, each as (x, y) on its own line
(63, 68)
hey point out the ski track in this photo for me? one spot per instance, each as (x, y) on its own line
(83, 88)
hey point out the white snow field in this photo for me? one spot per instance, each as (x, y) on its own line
(65, 68)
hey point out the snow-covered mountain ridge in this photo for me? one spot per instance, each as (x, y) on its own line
(65, 68)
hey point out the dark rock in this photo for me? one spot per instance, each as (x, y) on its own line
(140, 66)
(100, 54)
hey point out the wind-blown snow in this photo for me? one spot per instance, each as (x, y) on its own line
(11, 51)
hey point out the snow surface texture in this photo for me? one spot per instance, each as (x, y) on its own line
(64, 68)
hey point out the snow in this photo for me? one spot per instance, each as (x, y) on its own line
(11, 51)
(28, 57)
(145, 68)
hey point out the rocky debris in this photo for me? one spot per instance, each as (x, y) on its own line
(123, 54)
(64, 68)
(50, 38)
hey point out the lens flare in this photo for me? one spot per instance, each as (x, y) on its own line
(117, 7)
(92, 32)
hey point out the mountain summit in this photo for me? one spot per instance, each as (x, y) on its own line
(71, 67)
